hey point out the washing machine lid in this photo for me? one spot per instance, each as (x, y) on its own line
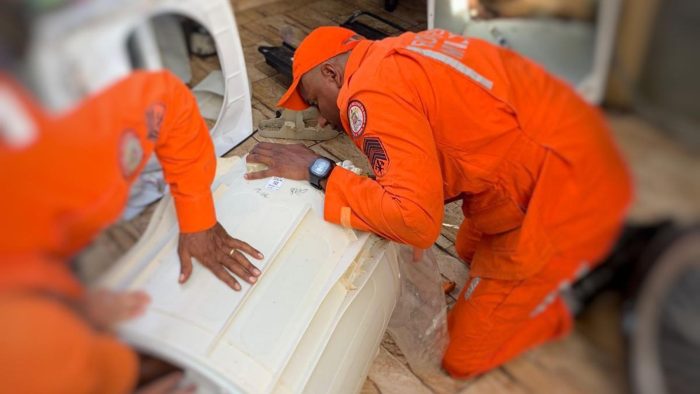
(240, 340)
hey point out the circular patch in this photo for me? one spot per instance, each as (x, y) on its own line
(357, 117)
(130, 153)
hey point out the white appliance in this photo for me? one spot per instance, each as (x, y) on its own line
(312, 323)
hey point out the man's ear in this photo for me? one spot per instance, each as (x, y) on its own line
(331, 73)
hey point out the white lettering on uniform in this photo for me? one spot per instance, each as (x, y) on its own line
(451, 36)
(433, 32)
(429, 38)
(472, 286)
(455, 49)
(426, 42)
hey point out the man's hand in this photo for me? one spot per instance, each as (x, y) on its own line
(104, 309)
(286, 161)
(219, 252)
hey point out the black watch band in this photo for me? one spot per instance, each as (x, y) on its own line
(315, 178)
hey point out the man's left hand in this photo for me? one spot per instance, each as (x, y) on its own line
(283, 160)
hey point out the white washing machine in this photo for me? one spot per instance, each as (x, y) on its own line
(312, 323)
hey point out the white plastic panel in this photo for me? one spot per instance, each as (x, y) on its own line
(268, 337)
(361, 322)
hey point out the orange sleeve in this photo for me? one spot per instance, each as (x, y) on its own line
(186, 153)
(405, 202)
(74, 178)
(47, 348)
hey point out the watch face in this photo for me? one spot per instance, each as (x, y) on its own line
(320, 167)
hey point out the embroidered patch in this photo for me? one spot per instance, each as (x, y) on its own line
(375, 152)
(130, 153)
(357, 117)
(154, 120)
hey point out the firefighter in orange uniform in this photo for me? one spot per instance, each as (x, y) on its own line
(66, 177)
(441, 118)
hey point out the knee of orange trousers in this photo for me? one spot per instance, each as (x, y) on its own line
(469, 356)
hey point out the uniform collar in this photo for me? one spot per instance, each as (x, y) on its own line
(354, 61)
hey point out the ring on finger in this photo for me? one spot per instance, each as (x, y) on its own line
(230, 253)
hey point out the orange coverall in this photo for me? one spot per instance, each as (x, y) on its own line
(543, 188)
(71, 181)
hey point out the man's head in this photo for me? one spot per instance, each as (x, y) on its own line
(318, 72)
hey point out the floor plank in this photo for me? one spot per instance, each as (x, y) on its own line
(446, 245)
(268, 91)
(577, 364)
(452, 219)
(309, 18)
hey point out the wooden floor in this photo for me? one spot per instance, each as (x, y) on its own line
(588, 361)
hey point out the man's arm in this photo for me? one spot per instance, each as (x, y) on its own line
(186, 153)
(405, 202)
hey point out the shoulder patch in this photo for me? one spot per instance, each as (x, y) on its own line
(130, 153)
(357, 118)
(375, 152)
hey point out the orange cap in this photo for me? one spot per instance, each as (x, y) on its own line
(320, 45)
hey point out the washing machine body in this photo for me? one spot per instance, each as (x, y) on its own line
(314, 320)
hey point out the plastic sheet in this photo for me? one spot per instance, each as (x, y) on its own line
(419, 322)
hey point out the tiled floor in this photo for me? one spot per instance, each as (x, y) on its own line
(588, 361)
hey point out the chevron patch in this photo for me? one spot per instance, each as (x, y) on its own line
(375, 152)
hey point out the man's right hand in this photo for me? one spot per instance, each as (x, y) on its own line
(222, 254)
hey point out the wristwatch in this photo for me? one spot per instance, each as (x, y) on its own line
(319, 170)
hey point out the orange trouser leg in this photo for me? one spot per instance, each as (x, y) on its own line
(495, 320)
